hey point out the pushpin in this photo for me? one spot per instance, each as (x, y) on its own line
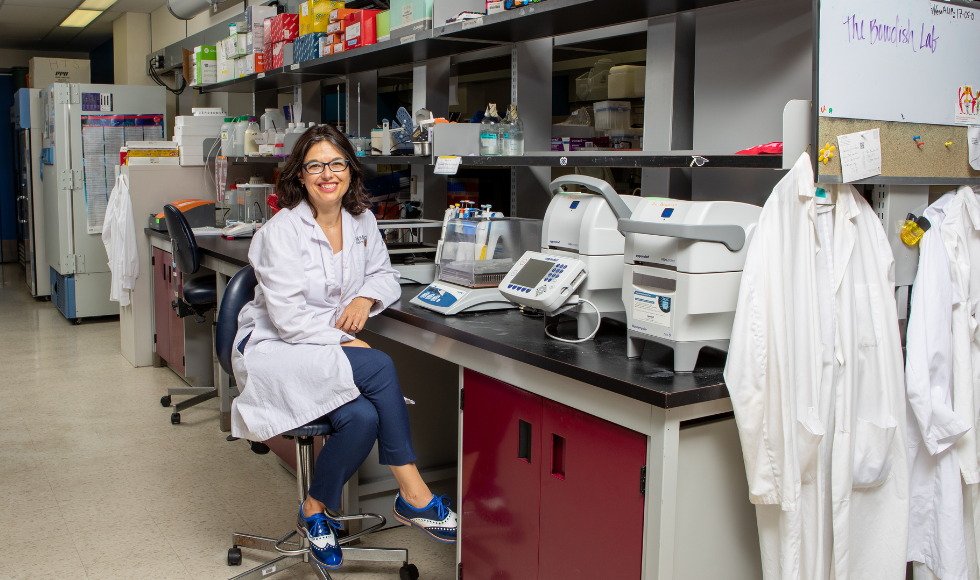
(826, 153)
(948, 144)
(918, 143)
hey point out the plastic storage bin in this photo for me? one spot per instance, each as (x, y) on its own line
(627, 81)
(612, 115)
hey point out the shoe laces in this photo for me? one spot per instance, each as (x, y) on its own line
(322, 525)
(442, 506)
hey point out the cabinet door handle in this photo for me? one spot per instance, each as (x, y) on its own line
(524, 441)
(558, 456)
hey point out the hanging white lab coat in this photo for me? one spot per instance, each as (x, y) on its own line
(119, 238)
(825, 457)
(961, 236)
(293, 369)
(936, 536)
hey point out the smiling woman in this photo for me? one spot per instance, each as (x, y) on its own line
(316, 159)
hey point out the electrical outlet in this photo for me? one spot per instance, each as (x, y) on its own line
(156, 61)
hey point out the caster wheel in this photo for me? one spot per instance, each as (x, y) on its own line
(175, 418)
(258, 448)
(76, 321)
(408, 572)
(234, 556)
(165, 400)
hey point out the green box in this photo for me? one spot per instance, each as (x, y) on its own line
(205, 65)
(383, 24)
(409, 12)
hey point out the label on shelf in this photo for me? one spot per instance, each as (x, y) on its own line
(294, 66)
(261, 75)
(409, 38)
(447, 165)
(472, 22)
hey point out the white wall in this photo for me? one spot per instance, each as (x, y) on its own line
(130, 45)
(10, 57)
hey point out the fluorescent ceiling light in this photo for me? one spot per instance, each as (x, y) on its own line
(97, 4)
(81, 18)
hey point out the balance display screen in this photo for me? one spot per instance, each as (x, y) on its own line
(532, 273)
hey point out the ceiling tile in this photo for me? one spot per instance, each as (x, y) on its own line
(18, 15)
(60, 35)
(44, 4)
(142, 6)
(104, 22)
(23, 32)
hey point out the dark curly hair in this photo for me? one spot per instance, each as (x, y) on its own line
(290, 188)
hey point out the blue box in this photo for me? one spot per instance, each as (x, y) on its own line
(307, 46)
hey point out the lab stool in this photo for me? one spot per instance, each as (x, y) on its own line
(292, 552)
(240, 291)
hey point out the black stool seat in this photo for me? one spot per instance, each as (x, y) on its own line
(316, 428)
(201, 290)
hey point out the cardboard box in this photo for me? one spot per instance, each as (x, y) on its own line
(266, 33)
(382, 25)
(205, 65)
(305, 17)
(325, 45)
(282, 54)
(307, 46)
(339, 47)
(360, 29)
(408, 12)
(255, 23)
(239, 67)
(335, 27)
(226, 66)
(338, 14)
(236, 45)
(285, 28)
(267, 57)
(253, 63)
(321, 13)
(44, 72)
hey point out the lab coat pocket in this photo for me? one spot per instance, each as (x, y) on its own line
(872, 452)
(809, 434)
(865, 299)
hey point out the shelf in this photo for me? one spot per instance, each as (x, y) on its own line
(557, 17)
(411, 48)
(652, 159)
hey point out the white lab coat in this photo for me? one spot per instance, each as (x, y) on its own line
(961, 236)
(119, 238)
(936, 536)
(825, 457)
(293, 369)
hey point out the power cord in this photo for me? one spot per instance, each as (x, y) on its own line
(156, 78)
(575, 300)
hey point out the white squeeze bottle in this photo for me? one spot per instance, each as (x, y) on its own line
(253, 127)
(241, 123)
(227, 136)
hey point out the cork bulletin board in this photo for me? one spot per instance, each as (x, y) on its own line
(905, 67)
(902, 160)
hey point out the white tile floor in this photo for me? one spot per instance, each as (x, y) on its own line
(96, 483)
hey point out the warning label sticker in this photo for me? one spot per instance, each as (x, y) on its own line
(651, 308)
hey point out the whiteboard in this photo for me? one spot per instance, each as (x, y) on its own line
(899, 60)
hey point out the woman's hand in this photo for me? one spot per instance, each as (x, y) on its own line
(356, 342)
(355, 315)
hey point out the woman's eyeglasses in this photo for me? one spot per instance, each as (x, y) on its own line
(317, 167)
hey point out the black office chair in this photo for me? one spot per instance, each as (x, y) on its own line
(200, 295)
(239, 292)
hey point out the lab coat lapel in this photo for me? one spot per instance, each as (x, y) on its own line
(844, 232)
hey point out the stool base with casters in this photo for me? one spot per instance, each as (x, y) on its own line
(198, 396)
(292, 549)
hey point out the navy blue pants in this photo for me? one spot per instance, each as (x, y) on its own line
(378, 414)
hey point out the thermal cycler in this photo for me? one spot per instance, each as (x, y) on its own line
(581, 255)
(680, 281)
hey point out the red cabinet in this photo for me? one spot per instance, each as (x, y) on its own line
(536, 475)
(168, 327)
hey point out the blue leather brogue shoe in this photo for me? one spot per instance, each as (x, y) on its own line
(320, 531)
(435, 519)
